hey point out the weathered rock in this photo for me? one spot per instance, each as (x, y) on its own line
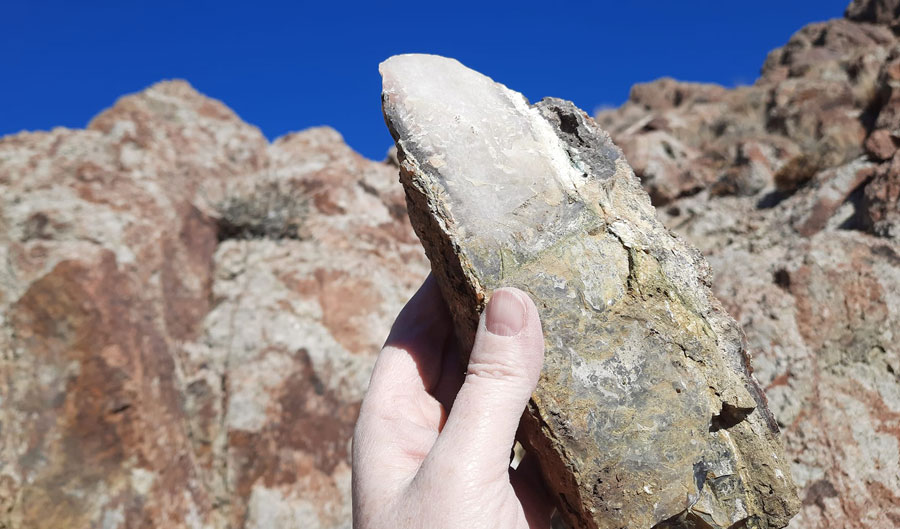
(830, 189)
(881, 144)
(886, 12)
(167, 347)
(646, 414)
(668, 168)
(106, 271)
(815, 294)
(188, 318)
(821, 318)
(881, 203)
(813, 108)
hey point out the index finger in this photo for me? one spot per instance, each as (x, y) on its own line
(399, 418)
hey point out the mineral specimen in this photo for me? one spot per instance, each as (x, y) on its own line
(646, 414)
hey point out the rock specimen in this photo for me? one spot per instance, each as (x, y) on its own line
(646, 414)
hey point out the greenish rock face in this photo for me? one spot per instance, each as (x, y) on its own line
(646, 414)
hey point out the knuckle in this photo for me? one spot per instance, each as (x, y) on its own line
(497, 371)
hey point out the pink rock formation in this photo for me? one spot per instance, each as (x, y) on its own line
(798, 218)
(157, 373)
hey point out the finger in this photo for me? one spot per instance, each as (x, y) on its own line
(502, 373)
(398, 419)
(409, 364)
(413, 349)
(452, 374)
(528, 484)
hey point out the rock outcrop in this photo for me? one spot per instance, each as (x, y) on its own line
(646, 414)
(793, 199)
(189, 317)
(188, 313)
(884, 12)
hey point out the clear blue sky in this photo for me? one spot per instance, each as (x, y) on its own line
(290, 65)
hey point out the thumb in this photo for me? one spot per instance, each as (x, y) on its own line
(503, 371)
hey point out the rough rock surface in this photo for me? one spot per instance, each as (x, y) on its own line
(797, 213)
(886, 12)
(646, 414)
(188, 317)
(167, 346)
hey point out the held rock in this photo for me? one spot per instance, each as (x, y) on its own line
(646, 414)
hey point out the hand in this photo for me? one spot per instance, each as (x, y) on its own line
(432, 444)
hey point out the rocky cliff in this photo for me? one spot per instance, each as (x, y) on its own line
(189, 317)
(188, 313)
(790, 188)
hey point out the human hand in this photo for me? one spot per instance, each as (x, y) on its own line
(432, 444)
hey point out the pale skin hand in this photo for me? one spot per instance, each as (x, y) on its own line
(432, 444)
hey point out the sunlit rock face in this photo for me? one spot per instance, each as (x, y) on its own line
(808, 263)
(646, 414)
(189, 315)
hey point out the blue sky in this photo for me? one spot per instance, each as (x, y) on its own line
(286, 66)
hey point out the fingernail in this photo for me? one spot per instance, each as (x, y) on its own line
(505, 314)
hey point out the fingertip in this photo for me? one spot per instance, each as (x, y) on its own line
(428, 296)
(511, 327)
(410, 360)
(506, 312)
(511, 299)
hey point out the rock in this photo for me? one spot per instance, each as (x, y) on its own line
(797, 172)
(881, 144)
(188, 317)
(107, 265)
(813, 108)
(885, 12)
(168, 348)
(808, 264)
(832, 188)
(753, 169)
(881, 202)
(646, 414)
(665, 166)
(833, 50)
(821, 316)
